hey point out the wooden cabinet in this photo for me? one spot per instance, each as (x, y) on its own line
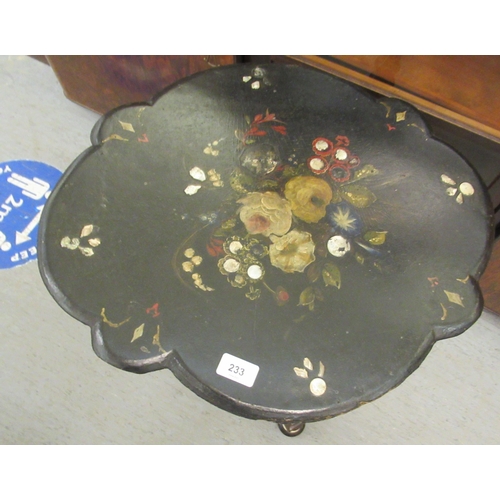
(103, 83)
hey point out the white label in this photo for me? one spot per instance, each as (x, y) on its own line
(237, 370)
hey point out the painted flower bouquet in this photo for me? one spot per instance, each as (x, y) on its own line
(300, 216)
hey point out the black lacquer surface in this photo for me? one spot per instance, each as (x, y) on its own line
(277, 215)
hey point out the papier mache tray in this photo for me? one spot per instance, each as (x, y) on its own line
(289, 246)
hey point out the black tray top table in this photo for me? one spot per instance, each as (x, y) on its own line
(289, 246)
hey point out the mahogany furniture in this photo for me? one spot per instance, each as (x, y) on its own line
(103, 83)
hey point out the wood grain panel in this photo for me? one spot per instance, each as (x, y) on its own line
(490, 281)
(469, 85)
(103, 83)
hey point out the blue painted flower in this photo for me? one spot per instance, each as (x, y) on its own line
(343, 219)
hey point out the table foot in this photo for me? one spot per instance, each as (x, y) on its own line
(292, 429)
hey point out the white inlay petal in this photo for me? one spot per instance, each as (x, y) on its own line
(231, 265)
(317, 386)
(317, 164)
(198, 174)
(448, 180)
(338, 246)
(466, 189)
(192, 189)
(235, 246)
(254, 272)
(341, 154)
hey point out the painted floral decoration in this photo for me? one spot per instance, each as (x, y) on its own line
(293, 252)
(300, 217)
(265, 213)
(331, 158)
(309, 197)
(344, 219)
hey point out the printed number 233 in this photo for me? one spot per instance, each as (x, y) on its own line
(236, 369)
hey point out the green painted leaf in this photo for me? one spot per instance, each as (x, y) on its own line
(358, 196)
(226, 229)
(289, 172)
(228, 224)
(331, 275)
(375, 237)
(253, 294)
(307, 298)
(241, 182)
(336, 196)
(313, 272)
(366, 171)
(268, 184)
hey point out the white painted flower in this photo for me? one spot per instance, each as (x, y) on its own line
(465, 189)
(293, 252)
(265, 213)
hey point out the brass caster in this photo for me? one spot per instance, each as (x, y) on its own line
(292, 429)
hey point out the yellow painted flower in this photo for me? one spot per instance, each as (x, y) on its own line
(265, 213)
(309, 197)
(293, 252)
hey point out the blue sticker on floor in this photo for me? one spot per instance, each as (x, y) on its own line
(25, 186)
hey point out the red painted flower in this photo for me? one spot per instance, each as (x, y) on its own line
(342, 140)
(335, 159)
(318, 165)
(353, 161)
(322, 146)
(281, 296)
(339, 173)
(341, 155)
